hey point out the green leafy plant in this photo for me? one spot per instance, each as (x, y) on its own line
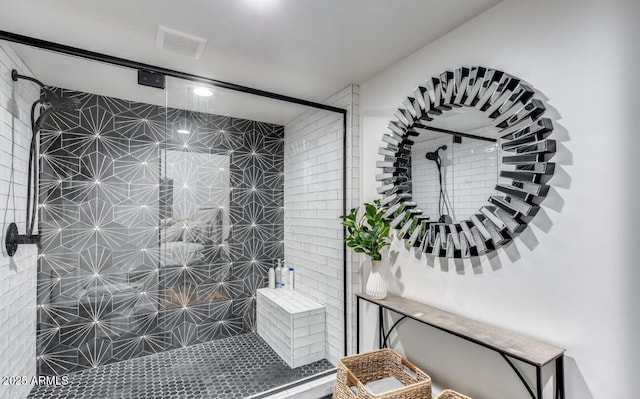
(368, 232)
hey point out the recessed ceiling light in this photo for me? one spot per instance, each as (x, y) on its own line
(183, 131)
(202, 91)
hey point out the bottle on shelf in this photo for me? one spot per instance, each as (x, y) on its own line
(284, 275)
(291, 285)
(278, 274)
(272, 277)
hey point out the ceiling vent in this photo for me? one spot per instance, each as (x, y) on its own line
(179, 42)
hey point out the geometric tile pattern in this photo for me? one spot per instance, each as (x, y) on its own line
(151, 239)
(244, 366)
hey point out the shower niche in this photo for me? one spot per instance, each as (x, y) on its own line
(466, 162)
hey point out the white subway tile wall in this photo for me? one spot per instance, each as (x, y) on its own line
(313, 198)
(470, 175)
(292, 324)
(17, 274)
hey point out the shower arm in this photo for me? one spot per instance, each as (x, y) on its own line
(15, 76)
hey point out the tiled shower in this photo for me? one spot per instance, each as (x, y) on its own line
(160, 213)
(158, 225)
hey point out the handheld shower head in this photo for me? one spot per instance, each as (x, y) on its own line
(433, 155)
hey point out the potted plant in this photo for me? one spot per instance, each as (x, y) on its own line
(368, 233)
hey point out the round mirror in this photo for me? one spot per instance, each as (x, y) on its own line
(466, 162)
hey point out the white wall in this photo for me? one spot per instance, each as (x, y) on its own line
(570, 278)
(17, 274)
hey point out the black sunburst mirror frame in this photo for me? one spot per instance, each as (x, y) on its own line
(510, 106)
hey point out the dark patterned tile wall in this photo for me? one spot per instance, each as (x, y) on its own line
(151, 239)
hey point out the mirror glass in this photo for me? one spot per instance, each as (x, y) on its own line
(447, 187)
(452, 177)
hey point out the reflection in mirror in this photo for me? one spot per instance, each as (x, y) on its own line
(199, 188)
(519, 131)
(452, 176)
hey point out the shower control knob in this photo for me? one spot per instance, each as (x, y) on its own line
(11, 239)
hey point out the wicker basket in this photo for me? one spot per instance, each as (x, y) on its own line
(449, 394)
(358, 370)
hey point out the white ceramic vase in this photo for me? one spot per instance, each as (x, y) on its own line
(376, 286)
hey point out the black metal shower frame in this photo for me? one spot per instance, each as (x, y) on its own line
(123, 62)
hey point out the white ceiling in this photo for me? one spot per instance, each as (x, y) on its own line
(303, 48)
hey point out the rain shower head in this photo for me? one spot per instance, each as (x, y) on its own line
(51, 103)
(51, 100)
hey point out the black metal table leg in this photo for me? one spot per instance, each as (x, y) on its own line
(357, 324)
(520, 376)
(385, 339)
(560, 378)
(380, 326)
(539, 380)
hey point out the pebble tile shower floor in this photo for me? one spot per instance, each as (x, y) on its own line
(233, 368)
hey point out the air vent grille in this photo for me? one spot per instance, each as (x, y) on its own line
(178, 42)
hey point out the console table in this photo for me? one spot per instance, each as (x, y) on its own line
(508, 344)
